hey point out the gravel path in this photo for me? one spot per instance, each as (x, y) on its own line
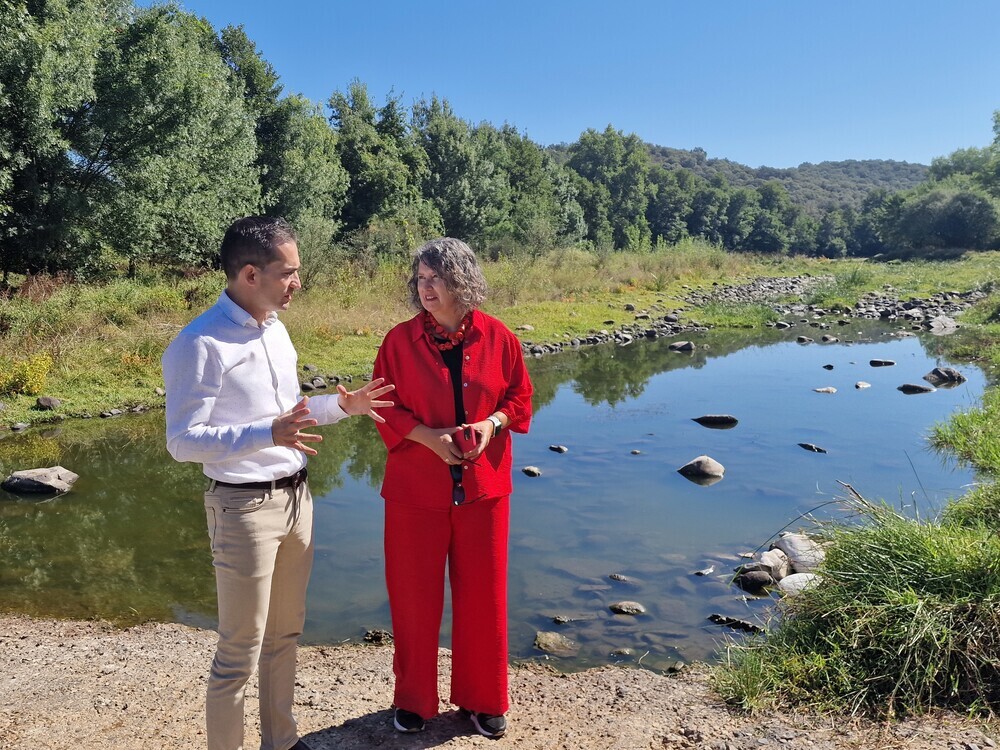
(89, 686)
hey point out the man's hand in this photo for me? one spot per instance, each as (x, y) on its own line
(364, 400)
(286, 429)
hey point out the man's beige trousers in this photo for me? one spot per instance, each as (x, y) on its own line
(262, 550)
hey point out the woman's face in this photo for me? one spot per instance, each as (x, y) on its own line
(434, 293)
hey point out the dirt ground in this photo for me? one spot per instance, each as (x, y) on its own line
(90, 686)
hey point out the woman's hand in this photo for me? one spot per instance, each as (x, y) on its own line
(484, 433)
(438, 440)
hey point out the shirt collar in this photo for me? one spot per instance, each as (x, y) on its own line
(241, 317)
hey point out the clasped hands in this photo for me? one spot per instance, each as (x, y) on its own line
(442, 442)
(287, 429)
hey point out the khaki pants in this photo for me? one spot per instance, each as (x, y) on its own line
(262, 550)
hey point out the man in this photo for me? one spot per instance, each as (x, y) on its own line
(233, 404)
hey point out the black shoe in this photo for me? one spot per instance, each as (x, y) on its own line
(407, 721)
(487, 724)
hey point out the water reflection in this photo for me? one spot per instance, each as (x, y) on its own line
(129, 542)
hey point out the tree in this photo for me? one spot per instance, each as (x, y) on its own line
(956, 213)
(167, 147)
(620, 165)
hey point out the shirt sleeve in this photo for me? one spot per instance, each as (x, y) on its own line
(516, 401)
(326, 409)
(399, 421)
(192, 374)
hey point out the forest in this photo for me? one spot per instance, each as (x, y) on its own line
(130, 137)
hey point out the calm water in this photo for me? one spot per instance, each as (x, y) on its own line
(129, 543)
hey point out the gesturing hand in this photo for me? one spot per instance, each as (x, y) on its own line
(363, 400)
(286, 429)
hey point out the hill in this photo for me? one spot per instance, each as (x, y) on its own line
(816, 187)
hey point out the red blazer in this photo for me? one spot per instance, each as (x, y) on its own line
(494, 378)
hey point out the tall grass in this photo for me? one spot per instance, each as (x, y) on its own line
(907, 618)
(973, 435)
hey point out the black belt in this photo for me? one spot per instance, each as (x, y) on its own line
(278, 484)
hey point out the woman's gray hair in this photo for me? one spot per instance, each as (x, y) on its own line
(454, 262)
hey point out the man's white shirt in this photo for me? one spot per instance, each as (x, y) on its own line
(227, 377)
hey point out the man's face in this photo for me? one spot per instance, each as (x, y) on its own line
(279, 279)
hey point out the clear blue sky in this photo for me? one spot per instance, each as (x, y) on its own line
(761, 82)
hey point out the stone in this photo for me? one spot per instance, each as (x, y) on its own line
(159, 391)
(18, 426)
(804, 554)
(717, 421)
(944, 375)
(812, 447)
(776, 562)
(881, 362)
(310, 368)
(702, 466)
(555, 643)
(54, 479)
(735, 623)
(526, 327)
(635, 451)
(47, 403)
(558, 448)
(913, 388)
(681, 346)
(860, 385)
(803, 340)
(796, 583)
(378, 637)
(826, 389)
(753, 580)
(827, 367)
(627, 608)
(532, 471)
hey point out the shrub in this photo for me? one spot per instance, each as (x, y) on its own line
(26, 376)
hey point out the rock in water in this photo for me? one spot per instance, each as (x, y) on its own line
(532, 471)
(717, 421)
(826, 389)
(558, 448)
(881, 362)
(555, 643)
(702, 466)
(627, 608)
(804, 554)
(735, 623)
(813, 448)
(911, 388)
(860, 385)
(681, 346)
(944, 375)
(40, 481)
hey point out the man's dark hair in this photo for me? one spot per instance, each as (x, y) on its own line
(253, 240)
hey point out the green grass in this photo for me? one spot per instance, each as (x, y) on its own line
(973, 435)
(907, 618)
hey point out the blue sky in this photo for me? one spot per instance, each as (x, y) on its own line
(761, 82)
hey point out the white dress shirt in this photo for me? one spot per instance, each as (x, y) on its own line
(227, 378)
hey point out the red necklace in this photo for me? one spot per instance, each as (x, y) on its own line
(443, 339)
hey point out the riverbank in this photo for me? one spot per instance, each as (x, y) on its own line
(90, 686)
(105, 341)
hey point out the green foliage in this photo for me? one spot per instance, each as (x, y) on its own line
(906, 618)
(25, 376)
(973, 435)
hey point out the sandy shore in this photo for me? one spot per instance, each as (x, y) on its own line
(90, 686)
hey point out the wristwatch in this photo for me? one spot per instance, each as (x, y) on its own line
(497, 424)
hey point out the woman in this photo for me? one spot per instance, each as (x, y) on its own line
(453, 367)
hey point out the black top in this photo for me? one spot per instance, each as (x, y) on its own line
(453, 361)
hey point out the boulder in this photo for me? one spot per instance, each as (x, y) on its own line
(753, 580)
(860, 385)
(532, 471)
(775, 562)
(804, 554)
(944, 376)
(681, 346)
(558, 448)
(702, 466)
(47, 403)
(55, 479)
(797, 582)
(881, 362)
